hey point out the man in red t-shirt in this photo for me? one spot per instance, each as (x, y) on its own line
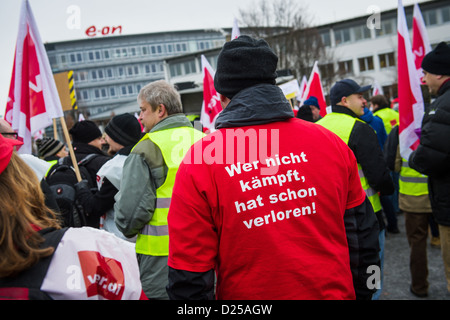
(272, 204)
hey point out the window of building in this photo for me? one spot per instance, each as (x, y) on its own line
(93, 75)
(346, 67)
(129, 71)
(326, 39)
(145, 51)
(106, 54)
(109, 73)
(342, 36)
(203, 45)
(121, 71)
(76, 57)
(133, 52)
(387, 60)
(80, 76)
(85, 95)
(361, 33)
(112, 92)
(123, 90)
(130, 89)
(53, 62)
(82, 95)
(132, 71)
(170, 48)
(365, 63)
(63, 59)
(156, 49)
(190, 67)
(175, 70)
(94, 55)
(445, 14)
(430, 17)
(386, 27)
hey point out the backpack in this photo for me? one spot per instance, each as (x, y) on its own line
(62, 179)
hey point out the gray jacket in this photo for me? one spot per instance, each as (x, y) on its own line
(144, 171)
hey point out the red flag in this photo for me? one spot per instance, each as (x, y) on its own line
(314, 88)
(410, 100)
(211, 100)
(420, 44)
(303, 85)
(33, 98)
(377, 89)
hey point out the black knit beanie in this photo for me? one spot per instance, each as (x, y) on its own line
(85, 131)
(48, 147)
(242, 63)
(438, 61)
(124, 129)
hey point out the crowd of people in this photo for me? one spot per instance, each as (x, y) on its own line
(244, 212)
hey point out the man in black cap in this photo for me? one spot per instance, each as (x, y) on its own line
(347, 105)
(87, 141)
(432, 156)
(235, 210)
(121, 133)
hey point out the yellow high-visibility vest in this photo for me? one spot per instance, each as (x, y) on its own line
(342, 125)
(389, 116)
(174, 143)
(411, 182)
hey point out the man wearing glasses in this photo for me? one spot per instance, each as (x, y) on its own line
(6, 130)
(39, 166)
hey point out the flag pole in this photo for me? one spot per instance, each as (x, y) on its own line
(55, 130)
(71, 152)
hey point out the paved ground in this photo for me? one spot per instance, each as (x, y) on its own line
(396, 269)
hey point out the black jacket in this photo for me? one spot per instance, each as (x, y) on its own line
(363, 142)
(432, 156)
(81, 151)
(96, 205)
(262, 104)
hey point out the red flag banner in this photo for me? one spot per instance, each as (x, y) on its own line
(377, 89)
(420, 44)
(33, 98)
(314, 88)
(410, 100)
(211, 100)
(303, 85)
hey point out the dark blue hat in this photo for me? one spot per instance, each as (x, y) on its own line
(345, 88)
(312, 101)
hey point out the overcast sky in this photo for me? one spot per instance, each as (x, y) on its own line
(143, 16)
